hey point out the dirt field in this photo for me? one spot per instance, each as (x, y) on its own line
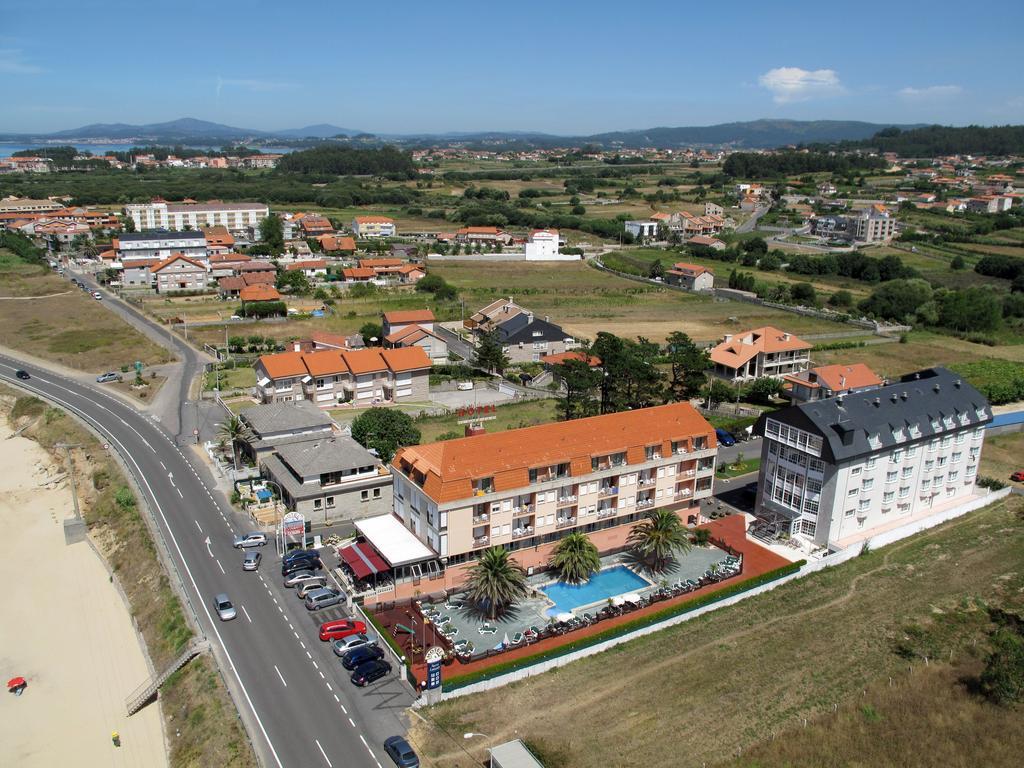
(692, 694)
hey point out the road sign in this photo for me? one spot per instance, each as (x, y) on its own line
(293, 524)
(433, 657)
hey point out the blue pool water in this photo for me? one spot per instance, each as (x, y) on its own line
(602, 585)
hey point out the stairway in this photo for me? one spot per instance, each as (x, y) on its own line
(144, 693)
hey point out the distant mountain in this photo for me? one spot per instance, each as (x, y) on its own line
(318, 131)
(184, 129)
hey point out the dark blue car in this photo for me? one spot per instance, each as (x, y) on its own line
(724, 438)
(398, 749)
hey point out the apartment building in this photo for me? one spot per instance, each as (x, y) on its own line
(835, 471)
(525, 489)
(160, 244)
(162, 215)
(331, 377)
(874, 225)
(692, 277)
(178, 274)
(761, 352)
(373, 226)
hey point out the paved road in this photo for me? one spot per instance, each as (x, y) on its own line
(749, 224)
(297, 703)
(455, 343)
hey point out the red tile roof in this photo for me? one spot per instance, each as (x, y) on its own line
(406, 359)
(743, 346)
(374, 220)
(310, 264)
(401, 317)
(176, 257)
(259, 292)
(561, 357)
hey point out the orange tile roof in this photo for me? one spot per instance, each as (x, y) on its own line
(364, 361)
(409, 316)
(659, 216)
(356, 272)
(686, 268)
(743, 346)
(259, 292)
(450, 466)
(374, 220)
(840, 378)
(283, 364)
(478, 231)
(406, 359)
(704, 240)
(173, 258)
(324, 362)
(592, 360)
(408, 269)
(227, 258)
(373, 263)
(310, 264)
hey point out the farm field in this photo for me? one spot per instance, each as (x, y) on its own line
(1003, 455)
(48, 317)
(734, 677)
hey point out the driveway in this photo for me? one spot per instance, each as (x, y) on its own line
(476, 396)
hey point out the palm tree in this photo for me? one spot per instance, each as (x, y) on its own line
(232, 431)
(496, 581)
(575, 558)
(657, 538)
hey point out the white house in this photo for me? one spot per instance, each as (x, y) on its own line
(542, 245)
(642, 229)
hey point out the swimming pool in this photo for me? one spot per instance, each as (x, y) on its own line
(602, 585)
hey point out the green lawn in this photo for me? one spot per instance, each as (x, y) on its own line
(511, 416)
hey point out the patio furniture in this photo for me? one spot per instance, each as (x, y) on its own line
(440, 621)
(450, 632)
(487, 629)
(453, 605)
(517, 638)
(460, 644)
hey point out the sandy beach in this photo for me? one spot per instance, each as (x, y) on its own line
(66, 630)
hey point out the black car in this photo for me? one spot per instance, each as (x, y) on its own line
(369, 671)
(360, 655)
(300, 565)
(299, 554)
(22, 375)
(398, 749)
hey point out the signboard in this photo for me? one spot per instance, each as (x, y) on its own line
(433, 657)
(476, 413)
(293, 524)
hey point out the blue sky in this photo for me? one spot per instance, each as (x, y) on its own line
(560, 67)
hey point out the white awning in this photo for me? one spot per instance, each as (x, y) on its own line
(263, 382)
(396, 543)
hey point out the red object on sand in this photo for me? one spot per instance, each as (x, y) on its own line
(16, 682)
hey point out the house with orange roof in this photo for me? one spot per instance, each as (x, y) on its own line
(358, 275)
(178, 274)
(311, 268)
(313, 224)
(332, 377)
(218, 239)
(483, 235)
(136, 273)
(563, 357)
(252, 294)
(692, 277)
(766, 351)
(397, 320)
(827, 381)
(525, 489)
(373, 226)
(335, 244)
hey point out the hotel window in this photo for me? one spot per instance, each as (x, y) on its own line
(864, 505)
(817, 465)
(890, 477)
(978, 432)
(855, 471)
(955, 458)
(907, 472)
(946, 441)
(896, 456)
(852, 492)
(932, 446)
(848, 513)
(953, 476)
(929, 465)
(888, 496)
(971, 470)
(925, 482)
(330, 502)
(868, 484)
(942, 461)
(904, 491)
(871, 462)
(912, 452)
(813, 486)
(960, 437)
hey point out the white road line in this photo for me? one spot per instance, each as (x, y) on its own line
(280, 675)
(352, 722)
(302, 644)
(368, 749)
(336, 698)
(163, 465)
(329, 687)
(280, 609)
(315, 665)
(291, 627)
(220, 566)
(247, 614)
(296, 634)
(322, 676)
(180, 494)
(198, 526)
(323, 753)
(343, 708)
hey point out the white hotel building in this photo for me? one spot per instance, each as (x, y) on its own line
(833, 471)
(179, 216)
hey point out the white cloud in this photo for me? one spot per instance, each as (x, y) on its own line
(260, 86)
(932, 92)
(12, 62)
(790, 84)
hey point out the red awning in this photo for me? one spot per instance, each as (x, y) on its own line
(363, 560)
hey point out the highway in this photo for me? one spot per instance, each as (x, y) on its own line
(293, 695)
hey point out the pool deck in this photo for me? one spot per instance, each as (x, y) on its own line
(731, 530)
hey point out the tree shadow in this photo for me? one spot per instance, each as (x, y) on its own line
(648, 566)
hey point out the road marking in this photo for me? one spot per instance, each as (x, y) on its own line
(343, 708)
(180, 494)
(280, 609)
(369, 750)
(220, 566)
(309, 655)
(302, 644)
(247, 614)
(329, 687)
(291, 627)
(280, 675)
(336, 697)
(296, 634)
(208, 547)
(163, 465)
(198, 526)
(352, 722)
(323, 753)
(322, 675)
(170, 477)
(315, 665)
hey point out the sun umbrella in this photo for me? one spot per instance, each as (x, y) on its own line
(505, 641)
(632, 597)
(564, 616)
(618, 600)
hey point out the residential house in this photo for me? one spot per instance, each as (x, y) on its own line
(542, 245)
(191, 215)
(274, 425)
(312, 225)
(329, 377)
(839, 471)
(642, 230)
(314, 269)
(527, 338)
(218, 240)
(525, 489)
(14, 204)
(136, 273)
(481, 235)
(713, 209)
(227, 264)
(261, 271)
(989, 203)
(766, 351)
(692, 277)
(828, 381)
(707, 242)
(336, 244)
(161, 244)
(373, 226)
(358, 275)
(254, 294)
(492, 315)
(178, 274)
(330, 480)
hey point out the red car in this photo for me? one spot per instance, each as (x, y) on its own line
(1018, 476)
(335, 630)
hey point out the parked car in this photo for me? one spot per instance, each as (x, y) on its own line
(323, 598)
(106, 378)
(307, 586)
(724, 438)
(22, 374)
(97, 295)
(360, 655)
(252, 539)
(300, 565)
(401, 753)
(366, 673)
(299, 577)
(300, 554)
(224, 608)
(346, 644)
(1018, 476)
(334, 630)
(251, 561)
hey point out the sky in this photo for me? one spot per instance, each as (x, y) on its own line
(563, 67)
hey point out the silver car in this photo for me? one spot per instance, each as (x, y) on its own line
(299, 577)
(253, 539)
(322, 598)
(106, 378)
(346, 644)
(310, 585)
(251, 561)
(222, 603)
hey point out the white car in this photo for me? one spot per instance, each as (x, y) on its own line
(346, 644)
(225, 610)
(253, 539)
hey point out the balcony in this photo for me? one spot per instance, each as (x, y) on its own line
(482, 518)
(683, 493)
(519, 533)
(644, 503)
(564, 522)
(524, 509)
(481, 541)
(611, 490)
(565, 501)
(687, 475)
(705, 469)
(647, 482)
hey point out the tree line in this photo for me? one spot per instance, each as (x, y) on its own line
(754, 165)
(337, 160)
(946, 140)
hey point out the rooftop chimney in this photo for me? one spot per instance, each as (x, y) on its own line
(878, 402)
(785, 337)
(727, 339)
(904, 395)
(935, 389)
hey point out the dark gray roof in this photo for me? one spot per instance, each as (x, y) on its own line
(520, 328)
(161, 234)
(285, 417)
(333, 454)
(917, 399)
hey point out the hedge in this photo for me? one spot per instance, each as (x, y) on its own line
(381, 632)
(461, 681)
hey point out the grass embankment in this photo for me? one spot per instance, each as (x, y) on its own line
(1002, 456)
(693, 694)
(512, 416)
(48, 317)
(199, 718)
